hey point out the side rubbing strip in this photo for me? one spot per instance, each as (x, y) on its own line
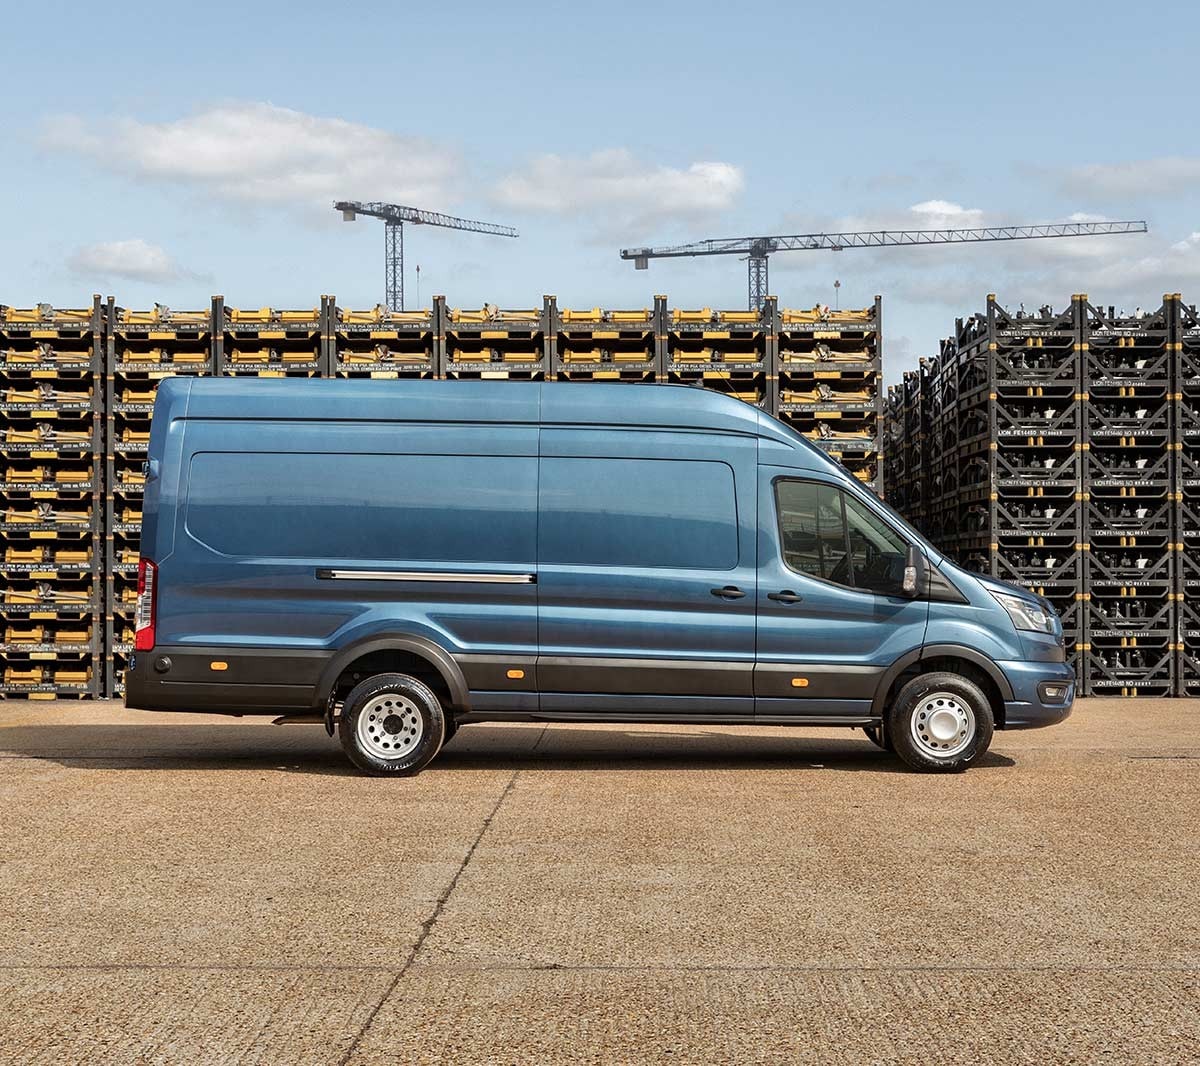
(427, 575)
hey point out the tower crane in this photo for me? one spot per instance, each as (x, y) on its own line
(394, 216)
(757, 249)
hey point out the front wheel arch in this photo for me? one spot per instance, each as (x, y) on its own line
(948, 658)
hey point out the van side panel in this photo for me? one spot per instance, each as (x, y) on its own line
(637, 528)
(293, 539)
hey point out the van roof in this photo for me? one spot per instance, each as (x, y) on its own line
(599, 403)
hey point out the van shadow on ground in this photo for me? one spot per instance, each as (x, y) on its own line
(307, 750)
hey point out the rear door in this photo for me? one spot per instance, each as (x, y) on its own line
(646, 571)
(831, 617)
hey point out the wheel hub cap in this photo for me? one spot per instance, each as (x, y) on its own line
(943, 726)
(390, 726)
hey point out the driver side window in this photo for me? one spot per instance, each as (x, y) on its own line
(827, 534)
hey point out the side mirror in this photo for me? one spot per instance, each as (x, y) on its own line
(915, 577)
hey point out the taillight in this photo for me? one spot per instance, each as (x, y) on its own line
(145, 614)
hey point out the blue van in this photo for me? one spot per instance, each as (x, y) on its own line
(399, 559)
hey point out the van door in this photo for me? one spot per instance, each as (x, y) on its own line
(831, 616)
(646, 571)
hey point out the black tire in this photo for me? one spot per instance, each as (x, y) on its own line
(395, 712)
(876, 736)
(940, 711)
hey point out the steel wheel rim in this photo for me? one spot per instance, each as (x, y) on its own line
(942, 725)
(389, 726)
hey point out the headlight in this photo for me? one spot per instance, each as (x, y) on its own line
(1025, 614)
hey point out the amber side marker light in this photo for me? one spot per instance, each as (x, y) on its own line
(799, 682)
(218, 665)
(516, 675)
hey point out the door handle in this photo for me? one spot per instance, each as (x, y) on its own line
(729, 592)
(786, 596)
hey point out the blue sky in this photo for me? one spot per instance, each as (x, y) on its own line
(163, 152)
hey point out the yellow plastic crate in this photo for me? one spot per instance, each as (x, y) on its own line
(24, 635)
(704, 314)
(379, 315)
(72, 636)
(30, 675)
(161, 315)
(25, 474)
(71, 556)
(72, 677)
(267, 314)
(24, 555)
(135, 436)
(43, 313)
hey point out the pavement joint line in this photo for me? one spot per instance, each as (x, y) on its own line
(552, 967)
(428, 924)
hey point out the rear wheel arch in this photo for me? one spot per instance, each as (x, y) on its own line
(415, 656)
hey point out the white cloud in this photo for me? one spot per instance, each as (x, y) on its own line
(260, 153)
(1140, 178)
(628, 193)
(943, 214)
(133, 260)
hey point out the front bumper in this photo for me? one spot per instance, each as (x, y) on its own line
(1027, 709)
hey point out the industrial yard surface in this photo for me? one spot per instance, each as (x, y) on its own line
(187, 889)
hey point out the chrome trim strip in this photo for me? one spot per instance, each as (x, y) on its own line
(426, 575)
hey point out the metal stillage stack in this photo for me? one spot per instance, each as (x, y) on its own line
(830, 383)
(1127, 474)
(141, 347)
(51, 400)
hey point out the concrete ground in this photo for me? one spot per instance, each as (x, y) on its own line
(188, 889)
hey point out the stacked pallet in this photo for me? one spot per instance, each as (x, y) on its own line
(829, 368)
(726, 351)
(50, 447)
(593, 344)
(267, 342)
(141, 349)
(382, 344)
(494, 343)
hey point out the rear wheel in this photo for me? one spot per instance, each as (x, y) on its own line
(940, 723)
(391, 724)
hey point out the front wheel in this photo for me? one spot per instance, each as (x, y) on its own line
(940, 723)
(391, 724)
